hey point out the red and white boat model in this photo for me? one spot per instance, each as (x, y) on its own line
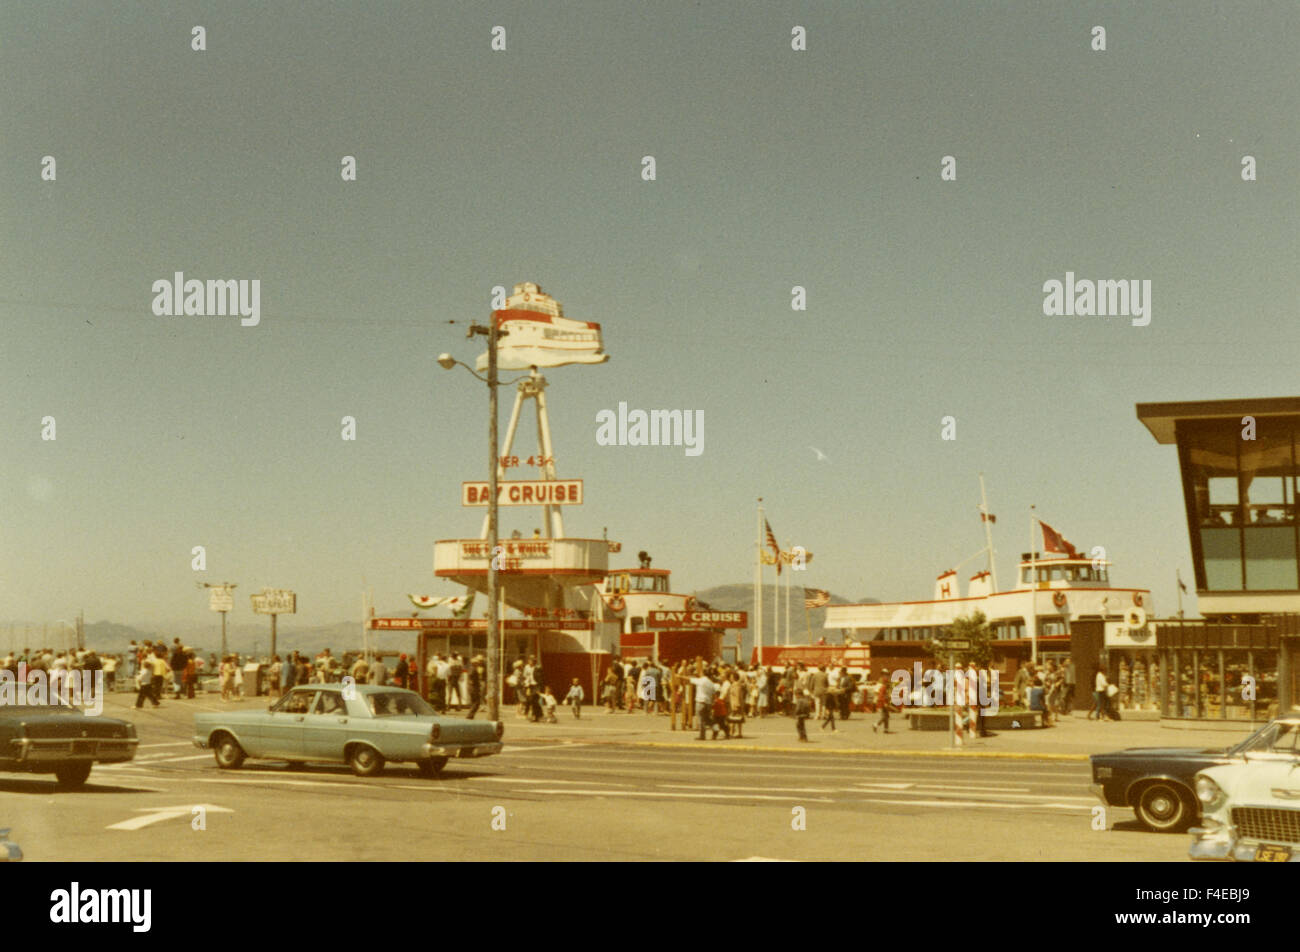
(537, 334)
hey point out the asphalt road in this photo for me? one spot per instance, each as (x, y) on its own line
(572, 801)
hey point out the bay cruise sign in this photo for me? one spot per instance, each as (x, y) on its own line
(697, 619)
(540, 492)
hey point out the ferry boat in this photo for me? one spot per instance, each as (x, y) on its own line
(1054, 597)
(537, 334)
(630, 595)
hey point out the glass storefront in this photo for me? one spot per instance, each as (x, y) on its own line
(1226, 671)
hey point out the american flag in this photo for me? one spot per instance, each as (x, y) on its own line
(771, 541)
(815, 597)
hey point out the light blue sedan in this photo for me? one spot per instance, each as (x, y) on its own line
(361, 725)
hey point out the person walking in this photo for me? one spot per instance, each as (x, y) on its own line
(1070, 681)
(802, 710)
(227, 678)
(831, 703)
(575, 697)
(705, 692)
(821, 684)
(477, 680)
(146, 687)
(882, 705)
(1100, 701)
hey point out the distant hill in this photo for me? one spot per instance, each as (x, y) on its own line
(255, 636)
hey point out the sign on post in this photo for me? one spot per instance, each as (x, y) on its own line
(221, 599)
(955, 644)
(275, 601)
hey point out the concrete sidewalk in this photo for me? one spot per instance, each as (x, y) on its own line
(1072, 738)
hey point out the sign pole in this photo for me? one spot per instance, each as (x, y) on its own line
(952, 721)
(274, 616)
(493, 632)
(223, 636)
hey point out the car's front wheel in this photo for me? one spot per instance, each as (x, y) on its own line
(230, 756)
(433, 766)
(365, 761)
(72, 775)
(1165, 808)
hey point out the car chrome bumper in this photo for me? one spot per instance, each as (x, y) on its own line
(1099, 792)
(462, 750)
(1218, 845)
(29, 750)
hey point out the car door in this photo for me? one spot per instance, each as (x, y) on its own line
(326, 726)
(284, 725)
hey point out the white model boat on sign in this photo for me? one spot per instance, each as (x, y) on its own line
(537, 334)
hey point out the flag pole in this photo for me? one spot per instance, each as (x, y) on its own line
(988, 537)
(758, 584)
(1033, 589)
(1178, 574)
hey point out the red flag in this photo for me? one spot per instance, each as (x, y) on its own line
(1053, 541)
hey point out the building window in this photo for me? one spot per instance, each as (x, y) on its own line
(1268, 477)
(1211, 454)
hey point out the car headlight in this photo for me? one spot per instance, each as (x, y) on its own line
(1209, 793)
(1103, 773)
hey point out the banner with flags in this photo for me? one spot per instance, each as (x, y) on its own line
(1053, 541)
(816, 597)
(460, 605)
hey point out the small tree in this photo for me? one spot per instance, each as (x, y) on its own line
(975, 629)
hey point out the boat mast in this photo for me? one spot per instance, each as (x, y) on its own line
(1033, 589)
(988, 536)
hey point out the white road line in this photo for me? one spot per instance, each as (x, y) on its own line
(942, 787)
(949, 804)
(836, 765)
(711, 786)
(178, 743)
(601, 783)
(281, 781)
(171, 760)
(697, 796)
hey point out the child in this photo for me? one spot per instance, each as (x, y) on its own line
(575, 697)
(802, 710)
(548, 704)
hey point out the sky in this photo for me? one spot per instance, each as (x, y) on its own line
(774, 168)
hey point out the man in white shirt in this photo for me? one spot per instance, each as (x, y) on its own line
(705, 692)
(1102, 702)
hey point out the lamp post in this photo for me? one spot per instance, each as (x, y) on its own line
(446, 361)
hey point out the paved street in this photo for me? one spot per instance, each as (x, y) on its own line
(593, 790)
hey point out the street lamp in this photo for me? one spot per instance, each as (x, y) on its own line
(446, 361)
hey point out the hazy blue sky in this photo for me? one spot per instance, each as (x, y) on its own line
(478, 168)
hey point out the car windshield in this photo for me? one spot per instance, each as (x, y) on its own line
(1279, 737)
(398, 704)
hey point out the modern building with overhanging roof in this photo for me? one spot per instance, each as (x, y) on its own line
(1240, 466)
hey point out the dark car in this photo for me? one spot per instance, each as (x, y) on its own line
(62, 740)
(1158, 782)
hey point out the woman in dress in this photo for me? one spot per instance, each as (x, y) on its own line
(227, 678)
